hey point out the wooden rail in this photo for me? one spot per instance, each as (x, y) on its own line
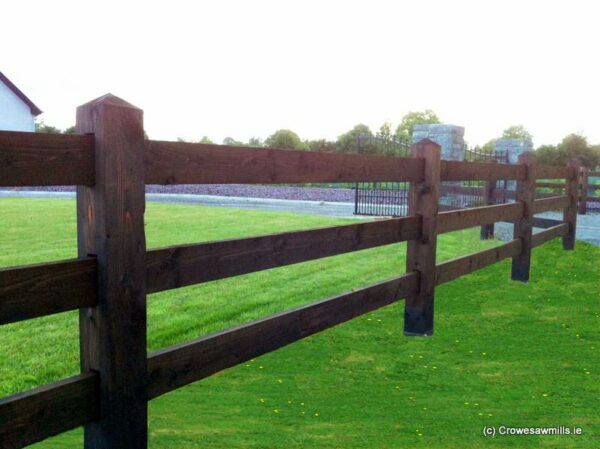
(196, 163)
(43, 289)
(36, 159)
(111, 162)
(181, 265)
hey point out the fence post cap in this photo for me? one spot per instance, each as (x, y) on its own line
(108, 100)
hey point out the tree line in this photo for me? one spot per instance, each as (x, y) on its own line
(394, 141)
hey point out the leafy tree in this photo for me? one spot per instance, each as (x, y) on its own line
(285, 138)
(573, 146)
(321, 145)
(41, 127)
(517, 132)
(404, 131)
(232, 142)
(255, 142)
(350, 142)
(547, 155)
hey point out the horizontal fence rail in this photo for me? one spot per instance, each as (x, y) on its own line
(182, 265)
(179, 365)
(43, 289)
(27, 418)
(195, 163)
(37, 159)
(111, 279)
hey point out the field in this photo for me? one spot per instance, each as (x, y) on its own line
(503, 353)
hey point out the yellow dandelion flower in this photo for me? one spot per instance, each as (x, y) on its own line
(280, 381)
(261, 367)
(480, 414)
(262, 400)
(420, 434)
(276, 411)
(466, 403)
(545, 395)
(483, 353)
(316, 414)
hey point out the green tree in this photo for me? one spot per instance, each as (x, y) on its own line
(547, 155)
(576, 146)
(321, 145)
(285, 138)
(517, 132)
(351, 141)
(255, 142)
(232, 142)
(41, 127)
(404, 131)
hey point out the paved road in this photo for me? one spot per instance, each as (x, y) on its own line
(588, 226)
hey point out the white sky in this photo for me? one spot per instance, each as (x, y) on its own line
(247, 68)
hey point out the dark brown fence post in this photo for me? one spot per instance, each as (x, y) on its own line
(489, 187)
(523, 228)
(584, 190)
(570, 212)
(423, 200)
(110, 219)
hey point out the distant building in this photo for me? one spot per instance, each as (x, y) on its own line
(17, 112)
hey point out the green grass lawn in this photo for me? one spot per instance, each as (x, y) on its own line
(503, 353)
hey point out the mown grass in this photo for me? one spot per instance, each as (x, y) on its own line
(503, 352)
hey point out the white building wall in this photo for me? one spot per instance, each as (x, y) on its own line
(15, 115)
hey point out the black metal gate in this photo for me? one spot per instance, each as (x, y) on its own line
(391, 198)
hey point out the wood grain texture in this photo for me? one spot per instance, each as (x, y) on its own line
(423, 201)
(43, 289)
(523, 227)
(556, 202)
(454, 268)
(38, 159)
(182, 265)
(195, 163)
(551, 233)
(570, 208)
(111, 226)
(476, 216)
(26, 418)
(179, 365)
(551, 172)
(467, 171)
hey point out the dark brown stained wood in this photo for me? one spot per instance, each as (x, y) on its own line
(467, 218)
(583, 175)
(182, 265)
(551, 203)
(523, 227)
(551, 184)
(570, 208)
(176, 366)
(43, 289)
(466, 171)
(195, 163)
(545, 223)
(454, 268)
(550, 172)
(37, 159)
(26, 418)
(551, 233)
(489, 188)
(110, 219)
(423, 201)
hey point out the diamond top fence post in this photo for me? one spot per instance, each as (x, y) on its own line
(420, 255)
(110, 225)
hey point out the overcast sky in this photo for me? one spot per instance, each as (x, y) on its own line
(247, 68)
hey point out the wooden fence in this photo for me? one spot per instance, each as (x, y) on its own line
(110, 162)
(589, 199)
